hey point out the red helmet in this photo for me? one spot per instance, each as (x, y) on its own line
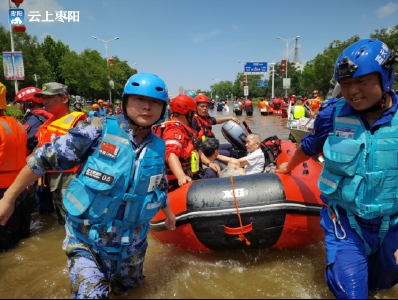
(106, 104)
(183, 104)
(28, 94)
(202, 99)
(315, 92)
(293, 96)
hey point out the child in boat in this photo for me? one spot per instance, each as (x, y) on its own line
(211, 149)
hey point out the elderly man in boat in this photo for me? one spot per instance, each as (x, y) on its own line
(253, 163)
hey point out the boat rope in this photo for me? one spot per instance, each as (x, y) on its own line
(241, 236)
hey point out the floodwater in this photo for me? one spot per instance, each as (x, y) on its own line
(37, 267)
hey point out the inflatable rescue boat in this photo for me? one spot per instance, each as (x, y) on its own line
(269, 210)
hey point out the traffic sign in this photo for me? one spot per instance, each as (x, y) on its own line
(262, 83)
(256, 68)
(246, 88)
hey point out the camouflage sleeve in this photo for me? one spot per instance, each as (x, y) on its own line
(68, 151)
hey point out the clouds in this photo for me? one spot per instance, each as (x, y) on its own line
(387, 10)
(199, 38)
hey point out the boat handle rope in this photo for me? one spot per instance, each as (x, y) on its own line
(243, 230)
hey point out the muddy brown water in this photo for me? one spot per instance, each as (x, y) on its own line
(37, 267)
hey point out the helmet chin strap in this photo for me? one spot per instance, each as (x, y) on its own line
(379, 106)
(138, 127)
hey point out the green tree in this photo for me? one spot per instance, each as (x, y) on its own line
(54, 52)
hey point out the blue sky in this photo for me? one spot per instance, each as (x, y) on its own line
(190, 42)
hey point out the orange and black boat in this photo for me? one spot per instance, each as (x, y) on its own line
(271, 211)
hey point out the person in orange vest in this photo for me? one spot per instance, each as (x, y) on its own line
(262, 104)
(277, 103)
(34, 117)
(203, 123)
(183, 147)
(56, 101)
(315, 105)
(13, 140)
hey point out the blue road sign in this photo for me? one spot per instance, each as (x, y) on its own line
(16, 17)
(256, 68)
(262, 83)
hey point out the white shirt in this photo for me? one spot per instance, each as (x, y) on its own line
(256, 162)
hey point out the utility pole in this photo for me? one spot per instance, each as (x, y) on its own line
(36, 77)
(273, 79)
(13, 51)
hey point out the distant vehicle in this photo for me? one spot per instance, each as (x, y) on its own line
(16, 21)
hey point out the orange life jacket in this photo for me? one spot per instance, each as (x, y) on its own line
(262, 105)
(315, 104)
(52, 129)
(190, 144)
(13, 141)
(205, 128)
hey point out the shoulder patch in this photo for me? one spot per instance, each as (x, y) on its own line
(98, 122)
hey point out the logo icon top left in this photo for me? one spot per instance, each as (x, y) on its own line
(16, 17)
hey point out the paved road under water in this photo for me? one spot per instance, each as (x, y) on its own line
(37, 267)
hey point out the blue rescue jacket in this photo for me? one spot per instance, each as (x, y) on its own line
(113, 176)
(94, 113)
(361, 169)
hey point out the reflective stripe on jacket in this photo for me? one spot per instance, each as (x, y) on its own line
(52, 129)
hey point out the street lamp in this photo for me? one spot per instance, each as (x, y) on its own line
(273, 79)
(107, 61)
(132, 66)
(287, 51)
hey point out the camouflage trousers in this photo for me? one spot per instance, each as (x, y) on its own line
(92, 277)
(58, 199)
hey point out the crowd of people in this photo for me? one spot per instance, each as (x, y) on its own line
(106, 175)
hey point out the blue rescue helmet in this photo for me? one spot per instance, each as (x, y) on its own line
(149, 85)
(366, 57)
(191, 94)
(146, 84)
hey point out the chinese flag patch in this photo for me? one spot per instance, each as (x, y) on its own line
(109, 150)
(177, 136)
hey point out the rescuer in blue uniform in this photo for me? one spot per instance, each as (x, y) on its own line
(121, 187)
(359, 137)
